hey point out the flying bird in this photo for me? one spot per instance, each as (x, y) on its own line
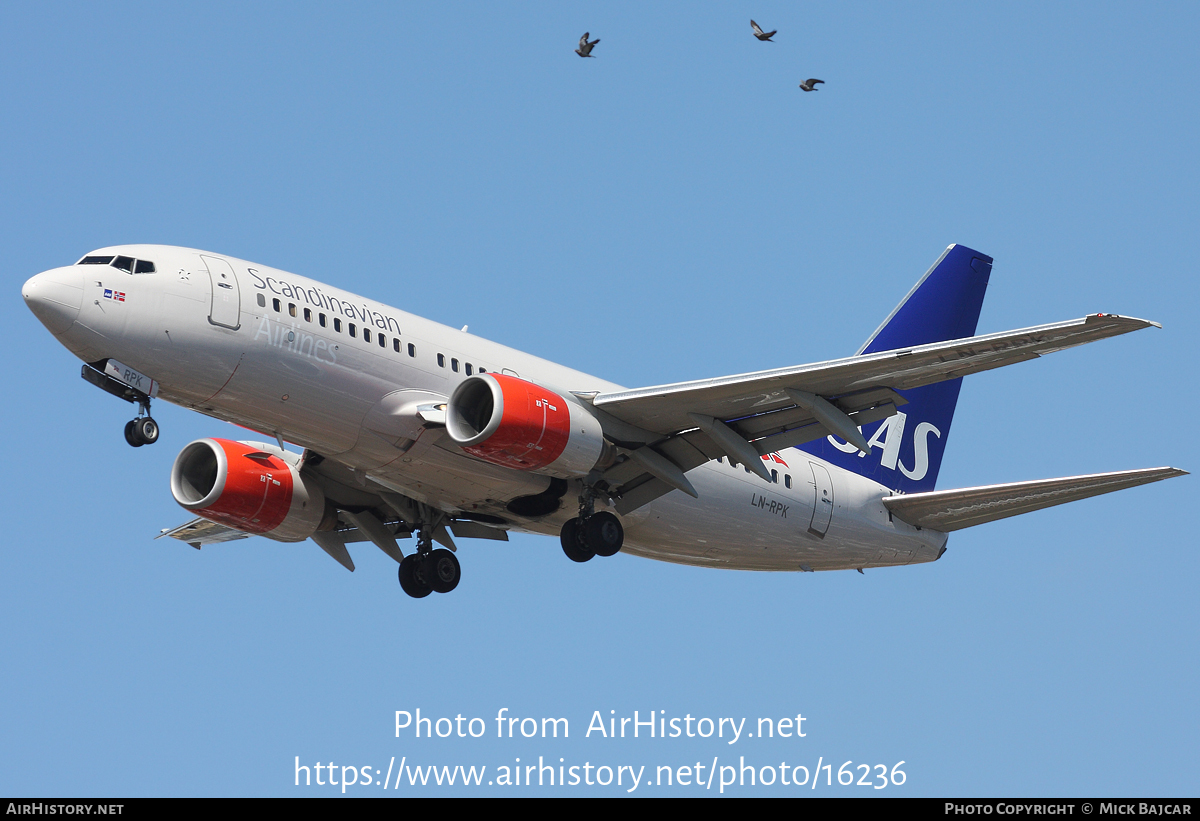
(585, 48)
(811, 85)
(765, 36)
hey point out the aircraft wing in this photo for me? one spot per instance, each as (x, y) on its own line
(670, 429)
(664, 409)
(200, 532)
(948, 510)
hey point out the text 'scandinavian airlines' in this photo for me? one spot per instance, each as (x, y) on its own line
(410, 428)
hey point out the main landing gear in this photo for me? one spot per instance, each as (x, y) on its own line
(428, 570)
(591, 534)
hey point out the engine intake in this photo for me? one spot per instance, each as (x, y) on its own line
(516, 424)
(246, 486)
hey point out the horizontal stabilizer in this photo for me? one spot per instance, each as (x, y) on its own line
(948, 510)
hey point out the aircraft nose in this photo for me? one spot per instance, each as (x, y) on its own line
(55, 297)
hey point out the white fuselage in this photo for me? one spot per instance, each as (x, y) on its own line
(273, 351)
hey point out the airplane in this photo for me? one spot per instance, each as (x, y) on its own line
(411, 429)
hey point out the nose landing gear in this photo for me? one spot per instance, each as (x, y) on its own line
(140, 431)
(143, 430)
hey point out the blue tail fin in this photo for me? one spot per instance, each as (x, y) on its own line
(906, 449)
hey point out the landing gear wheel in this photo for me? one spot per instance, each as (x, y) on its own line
(130, 436)
(442, 570)
(141, 431)
(602, 534)
(146, 429)
(571, 545)
(412, 576)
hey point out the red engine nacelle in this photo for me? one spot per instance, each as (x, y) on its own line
(241, 485)
(517, 424)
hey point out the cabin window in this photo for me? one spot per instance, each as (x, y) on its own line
(774, 477)
(262, 301)
(308, 315)
(291, 309)
(454, 365)
(321, 320)
(337, 324)
(787, 480)
(482, 370)
(441, 360)
(276, 305)
(412, 349)
(367, 334)
(382, 340)
(352, 329)
(395, 344)
(467, 368)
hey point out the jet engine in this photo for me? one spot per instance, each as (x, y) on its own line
(249, 486)
(516, 424)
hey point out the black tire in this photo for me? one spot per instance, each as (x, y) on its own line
(131, 435)
(413, 582)
(442, 570)
(146, 430)
(602, 534)
(571, 545)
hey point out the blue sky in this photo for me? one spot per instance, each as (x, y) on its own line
(675, 208)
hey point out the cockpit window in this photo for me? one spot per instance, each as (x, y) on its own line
(127, 264)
